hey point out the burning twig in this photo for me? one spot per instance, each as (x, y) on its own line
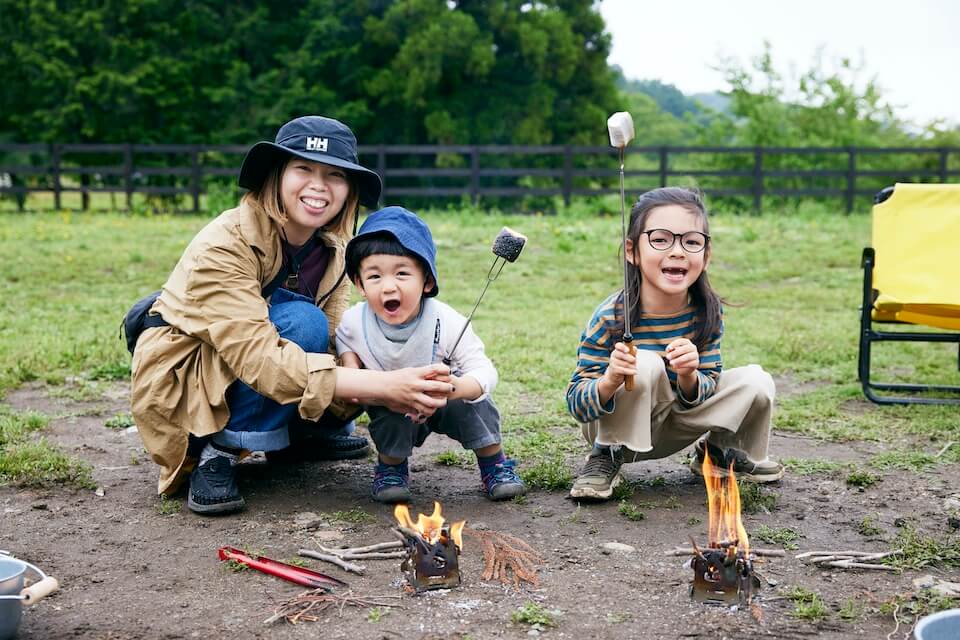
(686, 551)
(308, 607)
(849, 559)
(504, 554)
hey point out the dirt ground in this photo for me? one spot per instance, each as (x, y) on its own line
(128, 570)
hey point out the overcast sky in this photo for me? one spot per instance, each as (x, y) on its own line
(912, 48)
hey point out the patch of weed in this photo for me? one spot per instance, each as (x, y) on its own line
(921, 550)
(755, 499)
(623, 491)
(297, 562)
(851, 610)
(630, 511)
(235, 566)
(784, 536)
(906, 460)
(40, 464)
(376, 614)
(533, 613)
(619, 617)
(355, 515)
(522, 499)
(862, 478)
(168, 506)
(693, 520)
(454, 459)
(119, 421)
(807, 605)
(807, 467)
(551, 473)
(867, 527)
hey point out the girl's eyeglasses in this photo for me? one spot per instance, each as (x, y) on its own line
(664, 239)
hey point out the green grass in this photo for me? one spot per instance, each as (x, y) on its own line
(28, 461)
(808, 467)
(68, 278)
(862, 478)
(784, 536)
(630, 511)
(807, 605)
(532, 614)
(355, 515)
(921, 550)
(119, 421)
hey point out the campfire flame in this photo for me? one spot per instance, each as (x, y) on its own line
(430, 527)
(723, 499)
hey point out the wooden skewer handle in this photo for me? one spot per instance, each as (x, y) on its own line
(628, 384)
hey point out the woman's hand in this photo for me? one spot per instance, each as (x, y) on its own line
(684, 359)
(417, 392)
(622, 364)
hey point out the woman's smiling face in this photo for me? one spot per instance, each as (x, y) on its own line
(313, 194)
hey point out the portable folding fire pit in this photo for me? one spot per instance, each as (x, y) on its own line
(433, 549)
(723, 572)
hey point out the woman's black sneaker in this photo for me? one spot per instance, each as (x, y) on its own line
(213, 488)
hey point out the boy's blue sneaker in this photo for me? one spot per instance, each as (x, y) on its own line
(391, 483)
(501, 482)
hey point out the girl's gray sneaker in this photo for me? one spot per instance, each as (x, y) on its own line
(600, 476)
(743, 467)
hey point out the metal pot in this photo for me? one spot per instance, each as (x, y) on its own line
(944, 625)
(13, 594)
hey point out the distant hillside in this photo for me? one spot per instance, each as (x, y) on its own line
(671, 99)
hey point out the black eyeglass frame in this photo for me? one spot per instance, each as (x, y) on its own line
(706, 239)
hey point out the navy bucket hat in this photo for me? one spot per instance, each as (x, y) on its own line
(313, 138)
(409, 230)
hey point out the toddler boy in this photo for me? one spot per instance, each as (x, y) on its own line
(392, 261)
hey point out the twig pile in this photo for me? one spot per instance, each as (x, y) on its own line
(849, 559)
(309, 606)
(339, 557)
(503, 555)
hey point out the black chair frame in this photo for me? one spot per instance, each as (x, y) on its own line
(869, 335)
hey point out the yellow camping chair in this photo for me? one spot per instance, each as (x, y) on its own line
(909, 276)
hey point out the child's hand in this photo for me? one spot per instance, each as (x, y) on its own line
(622, 364)
(418, 391)
(683, 357)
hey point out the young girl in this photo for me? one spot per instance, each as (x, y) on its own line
(680, 391)
(230, 358)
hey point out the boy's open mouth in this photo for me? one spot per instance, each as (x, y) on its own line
(391, 305)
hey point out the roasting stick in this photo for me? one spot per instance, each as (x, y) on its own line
(620, 128)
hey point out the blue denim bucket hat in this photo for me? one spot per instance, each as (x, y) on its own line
(409, 230)
(315, 138)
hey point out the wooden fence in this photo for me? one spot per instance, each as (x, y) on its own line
(481, 173)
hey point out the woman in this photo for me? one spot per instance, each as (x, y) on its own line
(237, 357)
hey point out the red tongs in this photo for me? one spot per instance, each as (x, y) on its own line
(297, 575)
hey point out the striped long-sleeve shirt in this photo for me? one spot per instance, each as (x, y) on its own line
(650, 332)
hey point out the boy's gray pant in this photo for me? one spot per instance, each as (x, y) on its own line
(737, 415)
(473, 424)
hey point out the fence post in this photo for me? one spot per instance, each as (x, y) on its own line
(943, 165)
(196, 177)
(851, 177)
(758, 179)
(382, 169)
(474, 175)
(664, 164)
(128, 174)
(55, 170)
(567, 175)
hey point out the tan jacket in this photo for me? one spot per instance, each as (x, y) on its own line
(220, 331)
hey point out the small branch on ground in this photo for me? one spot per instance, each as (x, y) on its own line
(849, 559)
(340, 562)
(309, 606)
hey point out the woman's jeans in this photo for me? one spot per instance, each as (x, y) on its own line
(258, 423)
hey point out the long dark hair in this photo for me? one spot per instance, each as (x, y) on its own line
(705, 299)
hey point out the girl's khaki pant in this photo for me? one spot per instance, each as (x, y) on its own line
(737, 415)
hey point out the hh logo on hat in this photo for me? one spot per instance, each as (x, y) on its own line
(316, 144)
